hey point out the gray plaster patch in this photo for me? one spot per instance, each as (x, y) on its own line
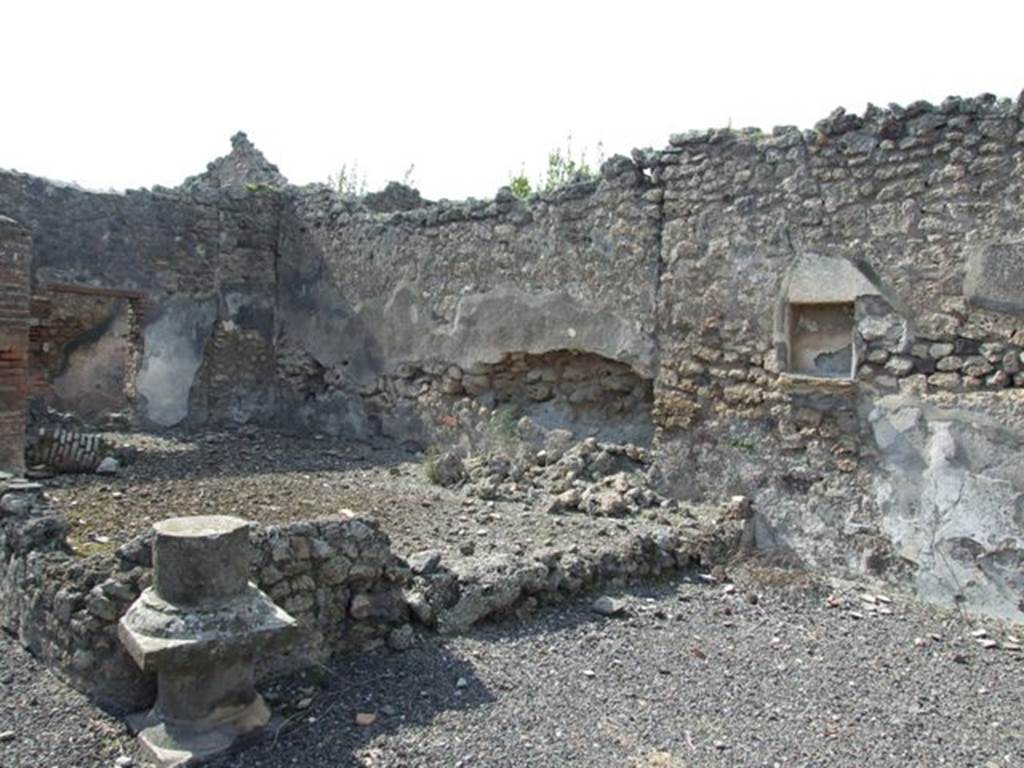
(489, 325)
(951, 487)
(93, 381)
(816, 279)
(370, 337)
(995, 277)
(174, 346)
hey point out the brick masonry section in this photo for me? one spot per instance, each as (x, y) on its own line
(15, 267)
(67, 321)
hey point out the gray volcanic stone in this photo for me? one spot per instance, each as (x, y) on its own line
(608, 606)
(449, 469)
(394, 197)
(201, 558)
(995, 277)
(424, 563)
(244, 167)
(402, 638)
(109, 466)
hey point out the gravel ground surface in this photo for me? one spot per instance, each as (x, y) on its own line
(773, 669)
(270, 477)
(45, 724)
(745, 674)
(691, 675)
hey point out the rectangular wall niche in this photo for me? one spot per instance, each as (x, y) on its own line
(821, 340)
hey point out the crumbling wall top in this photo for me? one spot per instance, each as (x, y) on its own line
(244, 166)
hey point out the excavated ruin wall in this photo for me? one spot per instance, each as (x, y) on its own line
(337, 577)
(912, 217)
(716, 270)
(15, 267)
(906, 222)
(202, 263)
(380, 314)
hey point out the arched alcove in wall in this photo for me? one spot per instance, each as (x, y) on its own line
(583, 392)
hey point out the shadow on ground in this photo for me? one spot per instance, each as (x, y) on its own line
(406, 691)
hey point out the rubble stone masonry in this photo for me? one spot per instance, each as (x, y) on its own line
(827, 320)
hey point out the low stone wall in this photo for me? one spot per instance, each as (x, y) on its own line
(338, 577)
(454, 599)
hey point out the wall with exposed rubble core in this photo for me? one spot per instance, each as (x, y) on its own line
(896, 215)
(379, 312)
(85, 346)
(200, 258)
(830, 321)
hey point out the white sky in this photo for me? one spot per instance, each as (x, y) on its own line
(131, 94)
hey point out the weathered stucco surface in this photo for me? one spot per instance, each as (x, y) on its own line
(396, 318)
(174, 344)
(951, 495)
(93, 382)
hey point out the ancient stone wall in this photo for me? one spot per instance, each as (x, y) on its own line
(200, 258)
(895, 215)
(337, 577)
(15, 266)
(908, 198)
(805, 316)
(740, 259)
(85, 346)
(455, 288)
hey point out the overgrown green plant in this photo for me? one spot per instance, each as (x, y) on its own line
(564, 167)
(520, 185)
(348, 181)
(430, 459)
(407, 177)
(504, 427)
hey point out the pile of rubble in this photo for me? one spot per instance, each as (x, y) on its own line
(595, 478)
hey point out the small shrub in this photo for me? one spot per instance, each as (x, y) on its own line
(563, 167)
(520, 185)
(348, 182)
(430, 465)
(407, 177)
(504, 428)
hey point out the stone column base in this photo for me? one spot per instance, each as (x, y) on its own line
(170, 745)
